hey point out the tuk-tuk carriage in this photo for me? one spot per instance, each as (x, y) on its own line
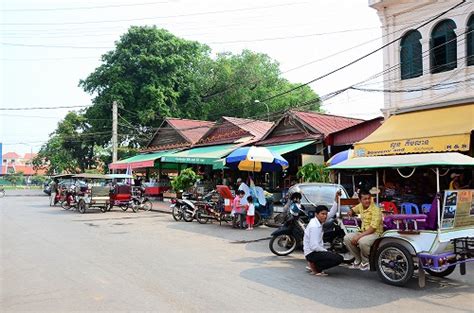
(97, 194)
(125, 196)
(62, 187)
(434, 241)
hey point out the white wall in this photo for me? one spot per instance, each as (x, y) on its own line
(397, 18)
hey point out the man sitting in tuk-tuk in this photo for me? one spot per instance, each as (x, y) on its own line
(372, 227)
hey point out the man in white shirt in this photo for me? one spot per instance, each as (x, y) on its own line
(319, 259)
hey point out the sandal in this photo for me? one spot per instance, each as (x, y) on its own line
(320, 274)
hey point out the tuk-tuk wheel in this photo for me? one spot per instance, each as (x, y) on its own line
(394, 264)
(81, 206)
(442, 273)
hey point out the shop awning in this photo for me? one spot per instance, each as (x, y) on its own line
(427, 131)
(139, 161)
(210, 155)
(446, 159)
(289, 147)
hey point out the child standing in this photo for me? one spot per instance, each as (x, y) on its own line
(238, 208)
(250, 213)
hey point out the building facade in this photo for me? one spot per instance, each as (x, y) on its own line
(433, 65)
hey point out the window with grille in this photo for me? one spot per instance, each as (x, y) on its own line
(411, 63)
(443, 47)
(470, 41)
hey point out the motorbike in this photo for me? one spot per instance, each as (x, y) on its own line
(191, 208)
(178, 206)
(140, 201)
(289, 236)
(69, 200)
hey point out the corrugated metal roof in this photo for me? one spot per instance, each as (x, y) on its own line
(192, 130)
(288, 138)
(326, 123)
(255, 127)
(355, 133)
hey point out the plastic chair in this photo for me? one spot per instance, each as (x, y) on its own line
(409, 208)
(426, 208)
(389, 207)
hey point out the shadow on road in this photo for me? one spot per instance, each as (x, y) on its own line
(366, 290)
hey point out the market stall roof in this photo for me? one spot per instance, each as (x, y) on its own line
(210, 155)
(119, 176)
(288, 147)
(427, 131)
(139, 161)
(445, 159)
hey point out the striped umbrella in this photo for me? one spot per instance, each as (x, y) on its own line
(256, 159)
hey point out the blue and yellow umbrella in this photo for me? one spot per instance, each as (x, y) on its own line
(256, 159)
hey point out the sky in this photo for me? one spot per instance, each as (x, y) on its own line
(46, 47)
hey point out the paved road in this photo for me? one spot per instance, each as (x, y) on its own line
(58, 261)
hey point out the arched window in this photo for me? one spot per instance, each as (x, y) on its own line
(470, 41)
(443, 46)
(411, 63)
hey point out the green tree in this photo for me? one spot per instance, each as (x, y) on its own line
(15, 178)
(148, 74)
(154, 74)
(70, 148)
(38, 180)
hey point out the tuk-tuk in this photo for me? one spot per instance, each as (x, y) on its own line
(433, 241)
(97, 194)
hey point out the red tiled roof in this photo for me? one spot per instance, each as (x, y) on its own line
(29, 156)
(326, 123)
(255, 127)
(193, 130)
(27, 170)
(11, 155)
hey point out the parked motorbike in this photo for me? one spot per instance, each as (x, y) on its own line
(140, 201)
(289, 236)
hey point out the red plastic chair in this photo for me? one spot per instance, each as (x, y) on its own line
(389, 207)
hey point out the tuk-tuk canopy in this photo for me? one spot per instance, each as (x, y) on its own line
(90, 176)
(447, 159)
(62, 176)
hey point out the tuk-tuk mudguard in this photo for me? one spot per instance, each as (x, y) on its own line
(415, 243)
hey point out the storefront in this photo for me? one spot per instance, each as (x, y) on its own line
(444, 129)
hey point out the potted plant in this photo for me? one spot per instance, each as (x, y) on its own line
(186, 179)
(313, 173)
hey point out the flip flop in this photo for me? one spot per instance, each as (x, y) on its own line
(308, 269)
(320, 274)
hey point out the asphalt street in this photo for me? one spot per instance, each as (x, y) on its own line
(54, 260)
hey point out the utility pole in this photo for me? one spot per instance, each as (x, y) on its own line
(114, 131)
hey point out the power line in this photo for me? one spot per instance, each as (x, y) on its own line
(51, 46)
(162, 17)
(360, 58)
(85, 8)
(43, 108)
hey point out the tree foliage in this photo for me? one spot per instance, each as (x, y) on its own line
(15, 178)
(153, 74)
